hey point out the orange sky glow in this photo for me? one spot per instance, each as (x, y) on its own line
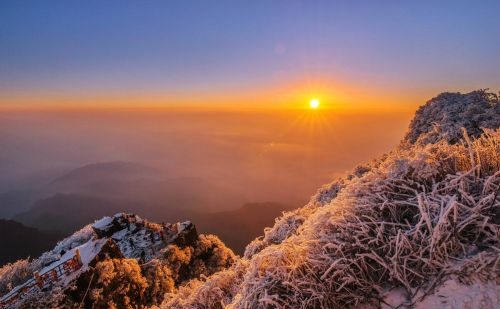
(294, 95)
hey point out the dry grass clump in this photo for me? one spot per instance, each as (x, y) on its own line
(413, 218)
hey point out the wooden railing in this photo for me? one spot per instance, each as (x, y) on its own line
(41, 281)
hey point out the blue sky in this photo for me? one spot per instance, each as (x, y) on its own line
(178, 47)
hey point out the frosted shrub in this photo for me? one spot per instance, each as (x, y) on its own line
(119, 284)
(216, 291)
(159, 278)
(13, 274)
(207, 256)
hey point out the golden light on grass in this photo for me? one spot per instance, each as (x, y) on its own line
(314, 103)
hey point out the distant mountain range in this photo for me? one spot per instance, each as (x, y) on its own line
(125, 182)
(19, 241)
(70, 201)
(67, 212)
(91, 179)
(13, 202)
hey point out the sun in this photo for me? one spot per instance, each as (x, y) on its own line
(314, 103)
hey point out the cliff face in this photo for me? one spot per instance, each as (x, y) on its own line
(416, 227)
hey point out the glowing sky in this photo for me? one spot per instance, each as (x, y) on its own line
(244, 52)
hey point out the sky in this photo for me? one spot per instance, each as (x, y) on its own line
(244, 53)
(218, 91)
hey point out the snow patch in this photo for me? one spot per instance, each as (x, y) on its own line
(103, 223)
(455, 295)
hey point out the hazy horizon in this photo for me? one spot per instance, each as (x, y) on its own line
(260, 155)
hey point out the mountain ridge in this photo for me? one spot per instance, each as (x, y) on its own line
(20, 241)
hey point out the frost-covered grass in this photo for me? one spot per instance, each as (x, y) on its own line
(217, 292)
(423, 213)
